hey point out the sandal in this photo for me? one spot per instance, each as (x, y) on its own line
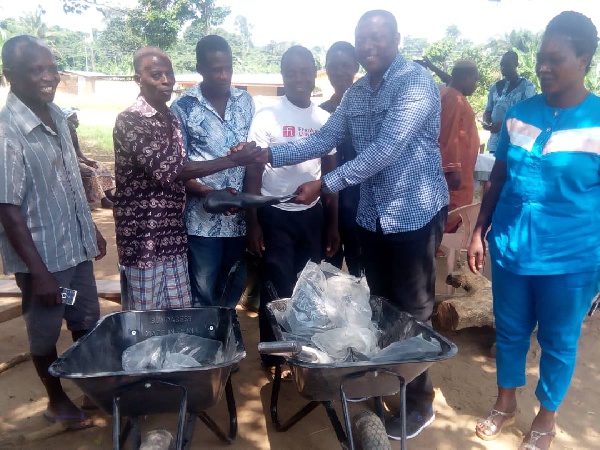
(71, 422)
(530, 444)
(492, 430)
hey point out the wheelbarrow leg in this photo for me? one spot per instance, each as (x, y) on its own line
(120, 436)
(337, 426)
(233, 423)
(308, 408)
(189, 431)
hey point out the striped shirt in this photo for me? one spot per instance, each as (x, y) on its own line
(394, 129)
(39, 172)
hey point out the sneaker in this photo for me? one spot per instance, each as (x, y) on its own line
(415, 423)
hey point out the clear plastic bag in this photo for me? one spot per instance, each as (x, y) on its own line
(337, 341)
(172, 352)
(310, 311)
(416, 347)
(351, 297)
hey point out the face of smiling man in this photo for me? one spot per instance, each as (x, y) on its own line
(34, 77)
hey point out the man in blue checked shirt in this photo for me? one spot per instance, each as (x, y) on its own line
(393, 118)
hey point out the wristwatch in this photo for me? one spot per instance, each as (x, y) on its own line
(324, 188)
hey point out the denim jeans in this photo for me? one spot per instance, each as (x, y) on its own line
(217, 270)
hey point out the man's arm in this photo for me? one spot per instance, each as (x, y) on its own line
(403, 121)
(314, 146)
(44, 286)
(445, 77)
(450, 139)
(192, 186)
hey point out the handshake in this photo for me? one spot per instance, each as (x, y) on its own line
(247, 153)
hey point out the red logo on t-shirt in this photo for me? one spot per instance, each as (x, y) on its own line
(289, 131)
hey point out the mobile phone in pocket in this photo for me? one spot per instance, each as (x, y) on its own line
(68, 296)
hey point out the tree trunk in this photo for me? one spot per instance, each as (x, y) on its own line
(472, 308)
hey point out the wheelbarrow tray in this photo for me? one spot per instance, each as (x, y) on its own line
(321, 382)
(94, 361)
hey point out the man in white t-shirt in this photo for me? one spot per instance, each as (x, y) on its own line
(288, 235)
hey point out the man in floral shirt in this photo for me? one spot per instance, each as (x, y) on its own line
(214, 116)
(151, 169)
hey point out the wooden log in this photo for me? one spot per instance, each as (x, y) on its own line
(472, 308)
(14, 361)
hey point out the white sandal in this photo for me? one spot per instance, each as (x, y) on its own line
(489, 424)
(533, 438)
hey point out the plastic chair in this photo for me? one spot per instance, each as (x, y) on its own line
(454, 243)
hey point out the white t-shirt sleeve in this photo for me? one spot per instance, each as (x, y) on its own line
(259, 129)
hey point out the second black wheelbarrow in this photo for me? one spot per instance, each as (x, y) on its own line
(322, 384)
(94, 363)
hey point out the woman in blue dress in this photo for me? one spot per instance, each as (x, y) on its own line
(543, 207)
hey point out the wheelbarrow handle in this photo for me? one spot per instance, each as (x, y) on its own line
(284, 348)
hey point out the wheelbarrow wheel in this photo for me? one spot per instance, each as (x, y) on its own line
(369, 432)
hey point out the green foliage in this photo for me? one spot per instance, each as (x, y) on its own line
(177, 25)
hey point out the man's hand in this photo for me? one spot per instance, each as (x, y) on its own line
(453, 179)
(45, 289)
(333, 241)
(495, 127)
(233, 210)
(308, 193)
(254, 238)
(247, 153)
(101, 245)
(86, 172)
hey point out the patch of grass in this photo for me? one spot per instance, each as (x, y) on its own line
(95, 139)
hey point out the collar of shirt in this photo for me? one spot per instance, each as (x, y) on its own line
(144, 108)
(397, 64)
(196, 91)
(28, 120)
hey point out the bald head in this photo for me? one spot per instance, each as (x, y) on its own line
(147, 52)
(465, 77)
(464, 68)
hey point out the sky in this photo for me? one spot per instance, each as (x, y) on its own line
(322, 22)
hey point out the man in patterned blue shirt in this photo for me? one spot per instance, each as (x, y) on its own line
(392, 116)
(213, 117)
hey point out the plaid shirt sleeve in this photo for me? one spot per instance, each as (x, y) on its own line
(402, 123)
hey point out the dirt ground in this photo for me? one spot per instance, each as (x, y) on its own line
(465, 390)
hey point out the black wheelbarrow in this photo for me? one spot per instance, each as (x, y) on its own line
(94, 364)
(356, 377)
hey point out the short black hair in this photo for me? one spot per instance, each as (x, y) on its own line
(14, 47)
(463, 69)
(342, 47)
(300, 51)
(210, 44)
(580, 30)
(512, 56)
(388, 17)
(139, 56)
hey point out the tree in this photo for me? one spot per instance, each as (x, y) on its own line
(413, 47)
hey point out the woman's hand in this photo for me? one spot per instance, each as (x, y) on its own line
(476, 251)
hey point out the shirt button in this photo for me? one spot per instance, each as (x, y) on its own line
(555, 113)
(548, 129)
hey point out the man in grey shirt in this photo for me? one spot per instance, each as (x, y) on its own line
(47, 236)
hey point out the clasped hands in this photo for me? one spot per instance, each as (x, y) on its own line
(248, 153)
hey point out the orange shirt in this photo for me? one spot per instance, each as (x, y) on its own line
(459, 143)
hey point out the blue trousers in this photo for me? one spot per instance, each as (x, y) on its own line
(557, 304)
(217, 270)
